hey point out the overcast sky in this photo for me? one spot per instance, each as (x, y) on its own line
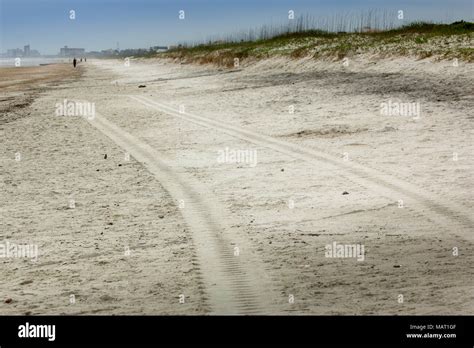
(100, 24)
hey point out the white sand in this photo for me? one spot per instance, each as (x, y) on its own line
(281, 250)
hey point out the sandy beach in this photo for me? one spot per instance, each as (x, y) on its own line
(145, 208)
(21, 85)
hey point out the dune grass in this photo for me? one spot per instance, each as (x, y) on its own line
(419, 39)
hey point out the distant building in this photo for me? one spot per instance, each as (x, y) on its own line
(15, 52)
(158, 48)
(34, 53)
(70, 52)
(109, 52)
(370, 30)
(18, 52)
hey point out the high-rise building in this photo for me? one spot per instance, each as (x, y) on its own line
(26, 51)
(69, 52)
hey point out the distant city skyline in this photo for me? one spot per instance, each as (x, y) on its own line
(47, 25)
(19, 52)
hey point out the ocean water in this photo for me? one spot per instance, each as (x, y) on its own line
(10, 62)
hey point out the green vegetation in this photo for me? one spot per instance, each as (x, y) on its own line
(422, 40)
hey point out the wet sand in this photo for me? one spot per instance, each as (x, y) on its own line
(19, 86)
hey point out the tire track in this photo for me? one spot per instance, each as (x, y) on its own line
(456, 217)
(234, 284)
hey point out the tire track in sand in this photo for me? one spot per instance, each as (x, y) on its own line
(455, 217)
(234, 284)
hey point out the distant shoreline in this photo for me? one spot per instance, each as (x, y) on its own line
(31, 61)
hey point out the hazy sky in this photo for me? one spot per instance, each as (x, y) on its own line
(100, 24)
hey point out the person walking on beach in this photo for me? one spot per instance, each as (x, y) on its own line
(74, 62)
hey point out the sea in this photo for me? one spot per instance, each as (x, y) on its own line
(32, 61)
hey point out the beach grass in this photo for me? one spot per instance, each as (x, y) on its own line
(418, 39)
